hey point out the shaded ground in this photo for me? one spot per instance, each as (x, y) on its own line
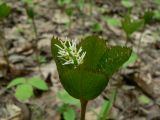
(142, 78)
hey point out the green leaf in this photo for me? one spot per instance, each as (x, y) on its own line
(95, 49)
(130, 26)
(2, 1)
(16, 81)
(114, 58)
(41, 59)
(83, 84)
(115, 22)
(157, 1)
(28, 2)
(4, 10)
(24, 92)
(89, 79)
(81, 4)
(144, 99)
(157, 14)
(63, 2)
(62, 108)
(106, 107)
(38, 83)
(67, 99)
(30, 12)
(131, 60)
(69, 114)
(96, 27)
(69, 11)
(148, 16)
(127, 3)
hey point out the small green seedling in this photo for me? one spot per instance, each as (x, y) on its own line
(133, 58)
(29, 7)
(157, 2)
(157, 14)
(81, 4)
(86, 68)
(144, 100)
(28, 2)
(25, 87)
(69, 103)
(67, 99)
(30, 12)
(127, 3)
(41, 59)
(107, 106)
(130, 26)
(5, 10)
(148, 16)
(63, 2)
(69, 11)
(157, 11)
(67, 112)
(97, 27)
(114, 22)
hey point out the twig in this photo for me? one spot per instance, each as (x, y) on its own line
(127, 39)
(36, 45)
(2, 45)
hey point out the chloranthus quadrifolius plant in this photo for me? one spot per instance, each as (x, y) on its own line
(85, 68)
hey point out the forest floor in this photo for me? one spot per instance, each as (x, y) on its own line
(134, 82)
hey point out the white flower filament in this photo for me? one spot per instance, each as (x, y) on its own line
(70, 54)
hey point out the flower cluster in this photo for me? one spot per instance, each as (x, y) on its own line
(69, 53)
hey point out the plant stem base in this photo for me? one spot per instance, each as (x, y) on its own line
(83, 108)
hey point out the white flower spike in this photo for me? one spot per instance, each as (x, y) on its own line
(69, 53)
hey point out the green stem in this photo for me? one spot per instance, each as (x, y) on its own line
(127, 40)
(83, 108)
(36, 46)
(2, 45)
(91, 6)
(35, 30)
(70, 23)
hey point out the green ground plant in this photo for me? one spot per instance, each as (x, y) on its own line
(148, 16)
(68, 106)
(25, 87)
(127, 3)
(67, 7)
(84, 75)
(157, 11)
(96, 27)
(69, 11)
(130, 26)
(114, 22)
(106, 107)
(29, 7)
(62, 3)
